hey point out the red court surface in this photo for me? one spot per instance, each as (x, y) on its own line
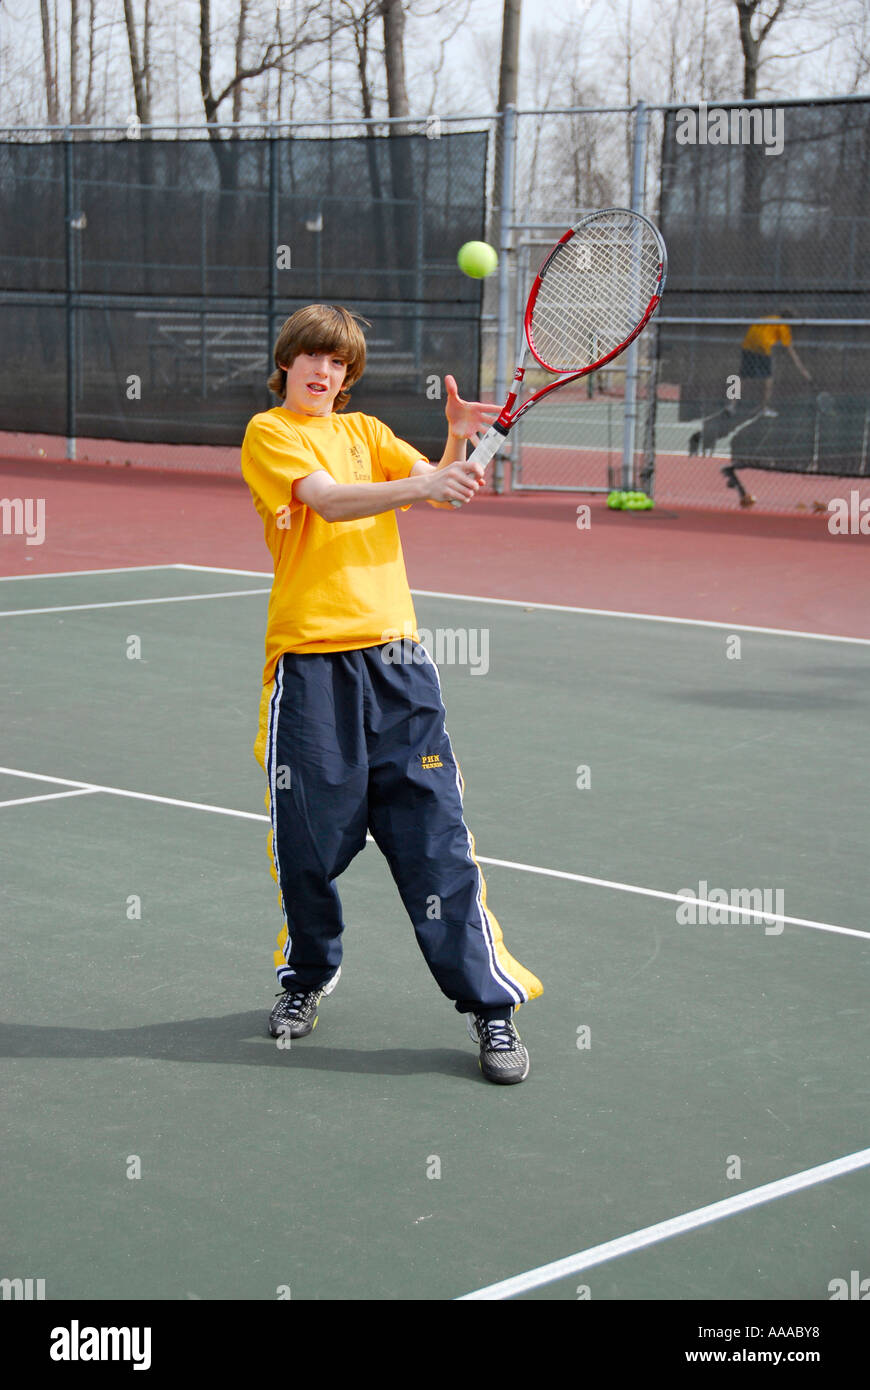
(734, 567)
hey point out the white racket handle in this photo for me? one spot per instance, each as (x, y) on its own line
(488, 446)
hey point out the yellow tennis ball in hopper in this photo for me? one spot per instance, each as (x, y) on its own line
(477, 259)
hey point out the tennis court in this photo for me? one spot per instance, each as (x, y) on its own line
(162, 1146)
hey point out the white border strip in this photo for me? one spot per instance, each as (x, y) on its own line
(741, 912)
(677, 1225)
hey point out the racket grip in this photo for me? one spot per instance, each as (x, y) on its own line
(488, 446)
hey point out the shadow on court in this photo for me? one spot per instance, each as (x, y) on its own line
(764, 700)
(228, 1040)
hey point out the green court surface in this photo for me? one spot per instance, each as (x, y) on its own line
(674, 1065)
(598, 422)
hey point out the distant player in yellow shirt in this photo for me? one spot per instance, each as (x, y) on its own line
(756, 356)
(756, 364)
(352, 733)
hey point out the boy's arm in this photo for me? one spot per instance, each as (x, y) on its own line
(798, 363)
(351, 501)
(454, 452)
(448, 481)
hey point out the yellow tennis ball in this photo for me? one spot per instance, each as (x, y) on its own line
(477, 259)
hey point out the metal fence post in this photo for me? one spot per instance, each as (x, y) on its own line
(271, 312)
(505, 331)
(629, 419)
(71, 374)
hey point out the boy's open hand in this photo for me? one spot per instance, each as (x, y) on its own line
(466, 419)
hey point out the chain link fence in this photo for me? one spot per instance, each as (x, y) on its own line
(766, 212)
(143, 280)
(156, 255)
(764, 343)
(568, 163)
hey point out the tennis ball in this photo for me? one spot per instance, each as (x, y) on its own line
(477, 259)
(638, 502)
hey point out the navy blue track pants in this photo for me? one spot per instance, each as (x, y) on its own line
(355, 741)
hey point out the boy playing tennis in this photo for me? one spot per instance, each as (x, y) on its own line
(351, 733)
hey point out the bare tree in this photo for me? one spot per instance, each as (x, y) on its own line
(423, 30)
(313, 26)
(394, 58)
(858, 41)
(564, 160)
(695, 56)
(140, 67)
(360, 19)
(49, 61)
(508, 89)
(74, 62)
(88, 108)
(381, 51)
(633, 42)
(751, 42)
(240, 50)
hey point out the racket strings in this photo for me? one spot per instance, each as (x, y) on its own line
(594, 292)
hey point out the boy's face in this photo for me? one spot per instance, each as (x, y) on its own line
(314, 379)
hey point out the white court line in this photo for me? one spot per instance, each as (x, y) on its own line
(128, 603)
(71, 574)
(216, 569)
(672, 897)
(644, 617)
(677, 1225)
(741, 912)
(460, 598)
(47, 796)
(135, 796)
(616, 450)
(593, 612)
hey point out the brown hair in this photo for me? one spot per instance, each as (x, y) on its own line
(321, 328)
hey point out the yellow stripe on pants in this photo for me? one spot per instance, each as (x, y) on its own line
(528, 982)
(260, 754)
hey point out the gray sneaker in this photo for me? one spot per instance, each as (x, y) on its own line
(295, 1014)
(503, 1058)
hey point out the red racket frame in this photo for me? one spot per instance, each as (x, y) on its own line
(507, 418)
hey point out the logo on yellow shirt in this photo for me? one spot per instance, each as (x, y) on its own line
(362, 472)
(430, 760)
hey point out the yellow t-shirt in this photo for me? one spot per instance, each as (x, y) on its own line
(763, 337)
(339, 585)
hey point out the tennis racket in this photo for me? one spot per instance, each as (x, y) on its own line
(596, 291)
